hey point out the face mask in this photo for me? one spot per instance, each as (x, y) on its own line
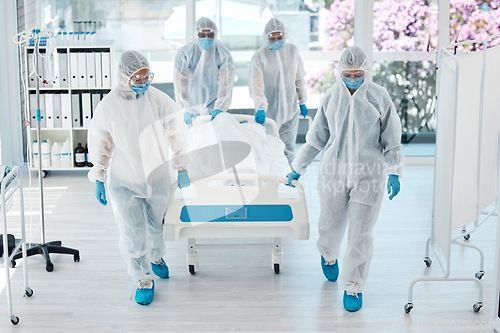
(140, 88)
(205, 43)
(353, 83)
(277, 45)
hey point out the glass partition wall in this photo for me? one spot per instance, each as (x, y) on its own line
(404, 39)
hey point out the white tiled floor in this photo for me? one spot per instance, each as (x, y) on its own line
(235, 288)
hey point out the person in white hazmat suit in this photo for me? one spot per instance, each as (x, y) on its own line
(277, 84)
(359, 132)
(203, 74)
(130, 135)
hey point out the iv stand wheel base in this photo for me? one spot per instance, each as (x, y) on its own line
(49, 267)
(14, 320)
(28, 292)
(477, 306)
(428, 261)
(46, 249)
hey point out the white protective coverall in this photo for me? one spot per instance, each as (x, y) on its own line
(277, 85)
(129, 140)
(203, 80)
(359, 135)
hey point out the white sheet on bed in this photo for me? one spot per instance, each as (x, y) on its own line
(267, 151)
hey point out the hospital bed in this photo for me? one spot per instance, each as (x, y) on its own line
(237, 205)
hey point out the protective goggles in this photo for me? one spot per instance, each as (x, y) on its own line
(353, 73)
(276, 37)
(138, 79)
(206, 33)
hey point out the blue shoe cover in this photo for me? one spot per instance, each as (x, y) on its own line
(160, 270)
(331, 272)
(144, 296)
(353, 303)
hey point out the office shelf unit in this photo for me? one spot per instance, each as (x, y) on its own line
(83, 75)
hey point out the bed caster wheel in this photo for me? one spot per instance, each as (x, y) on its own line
(28, 292)
(44, 173)
(192, 261)
(467, 237)
(477, 306)
(428, 261)
(49, 267)
(76, 258)
(479, 275)
(277, 259)
(408, 307)
(14, 320)
(12, 263)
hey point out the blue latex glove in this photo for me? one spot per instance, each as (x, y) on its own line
(183, 179)
(303, 110)
(393, 182)
(291, 176)
(214, 113)
(260, 116)
(100, 192)
(188, 118)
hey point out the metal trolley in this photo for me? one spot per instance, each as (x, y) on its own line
(11, 183)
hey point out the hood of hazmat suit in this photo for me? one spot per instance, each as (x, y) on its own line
(276, 82)
(133, 139)
(203, 79)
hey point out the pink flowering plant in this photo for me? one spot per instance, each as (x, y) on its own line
(408, 26)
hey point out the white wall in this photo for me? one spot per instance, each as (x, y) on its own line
(10, 110)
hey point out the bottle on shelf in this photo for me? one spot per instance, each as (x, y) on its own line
(89, 164)
(80, 156)
(36, 156)
(65, 155)
(45, 154)
(56, 155)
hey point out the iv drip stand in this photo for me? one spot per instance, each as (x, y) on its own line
(55, 246)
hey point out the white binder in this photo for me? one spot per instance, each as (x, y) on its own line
(41, 70)
(43, 123)
(73, 69)
(96, 98)
(32, 110)
(76, 119)
(32, 78)
(86, 110)
(66, 111)
(57, 111)
(54, 79)
(82, 70)
(98, 70)
(49, 110)
(106, 69)
(91, 70)
(63, 70)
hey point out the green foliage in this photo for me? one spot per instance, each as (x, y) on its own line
(411, 85)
